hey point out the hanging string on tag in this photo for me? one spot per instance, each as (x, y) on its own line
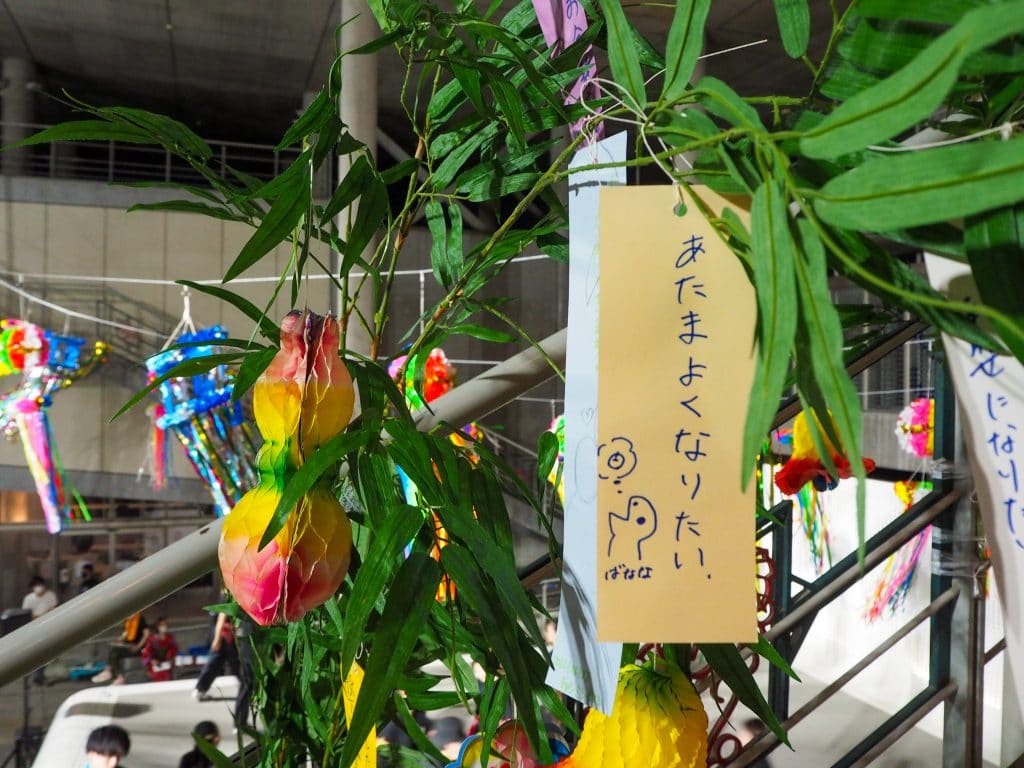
(1005, 132)
(185, 324)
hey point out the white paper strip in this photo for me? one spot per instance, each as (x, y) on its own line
(584, 668)
(990, 394)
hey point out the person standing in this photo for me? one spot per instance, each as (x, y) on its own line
(106, 746)
(131, 643)
(39, 600)
(223, 652)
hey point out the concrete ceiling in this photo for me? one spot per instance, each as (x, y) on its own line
(237, 69)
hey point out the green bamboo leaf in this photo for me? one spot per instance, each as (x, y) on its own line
(469, 78)
(482, 332)
(728, 664)
(547, 454)
(723, 101)
(253, 365)
(305, 477)
(189, 206)
(820, 323)
(267, 326)
(286, 181)
(193, 366)
(399, 528)
(995, 241)
(685, 40)
(910, 189)
(932, 12)
(405, 615)
(86, 130)
(512, 108)
(370, 215)
(914, 92)
(172, 133)
(310, 121)
(772, 261)
(438, 228)
(357, 177)
(215, 757)
(794, 17)
(767, 651)
(454, 244)
(283, 216)
(458, 155)
(419, 738)
(499, 630)
(622, 52)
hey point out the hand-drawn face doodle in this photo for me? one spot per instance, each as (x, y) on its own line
(630, 531)
(616, 459)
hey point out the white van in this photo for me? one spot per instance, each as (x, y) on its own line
(159, 718)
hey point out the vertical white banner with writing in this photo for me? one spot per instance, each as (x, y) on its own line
(990, 394)
(582, 667)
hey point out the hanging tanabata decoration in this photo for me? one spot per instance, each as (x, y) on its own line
(658, 719)
(303, 399)
(805, 476)
(915, 431)
(915, 428)
(48, 362)
(438, 380)
(199, 412)
(555, 476)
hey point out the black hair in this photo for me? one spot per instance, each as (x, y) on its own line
(109, 740)
(37, 580)
(206, 729)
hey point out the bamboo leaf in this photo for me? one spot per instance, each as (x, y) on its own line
(399, 527)
(358, 175)
(914, 92)
(622, 52)
(267, 326)
(685, 39)
(994, 241)
(794, 17)
(172, 133)
(370, 215)
(725, 659)
(767, 651)
(405, 614)
(189, 206)
(438, 228)
(193, 366)
(283, 216)
(306, 476)
(253, 365)
(772, 261)
(86, 130)
(310, 121)
(934, 185)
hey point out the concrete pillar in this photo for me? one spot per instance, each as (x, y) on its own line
(359, 113)
(18, 111)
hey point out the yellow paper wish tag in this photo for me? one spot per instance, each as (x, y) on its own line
(367, 757)
(675, 559)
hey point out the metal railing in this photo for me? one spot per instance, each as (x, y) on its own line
(117, 161)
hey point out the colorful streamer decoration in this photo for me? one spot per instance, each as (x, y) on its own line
(199, 412)
(303, 399)
(438, 380)
(897, 577)
(48, 362)
(555, 476)
(915, 428)
(815, 527)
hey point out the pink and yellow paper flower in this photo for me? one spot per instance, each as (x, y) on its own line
(915, 427)
(303, 399)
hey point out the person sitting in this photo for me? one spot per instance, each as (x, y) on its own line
(131, 642)
(159, 651)
(207, 729)
(106, 746)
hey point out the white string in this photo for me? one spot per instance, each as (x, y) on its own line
(642, 120)
(1005, 131)
(72, 313)
(216, 281)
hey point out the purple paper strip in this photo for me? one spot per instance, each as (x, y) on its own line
(563, 22)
